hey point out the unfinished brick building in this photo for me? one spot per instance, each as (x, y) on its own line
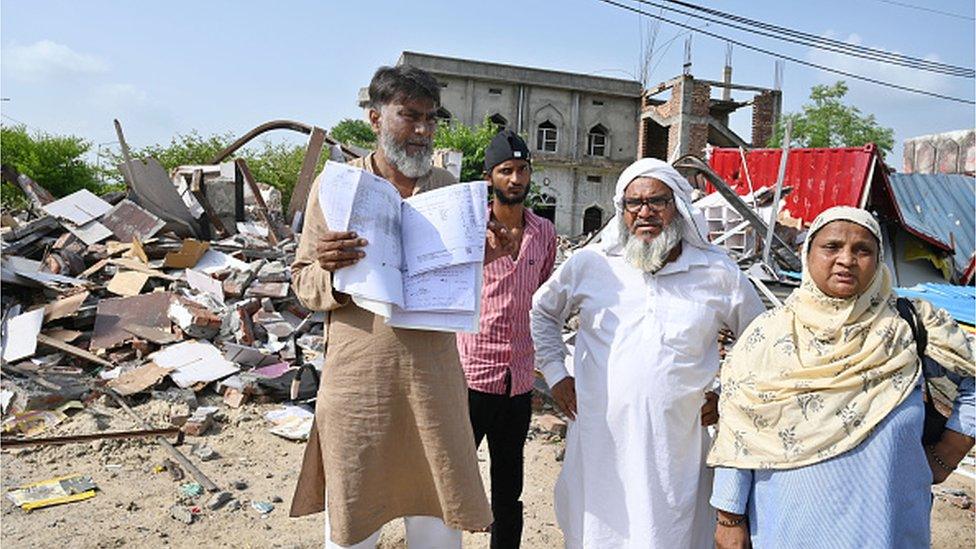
(691, 119)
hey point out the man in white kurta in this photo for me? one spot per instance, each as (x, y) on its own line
(646, 351)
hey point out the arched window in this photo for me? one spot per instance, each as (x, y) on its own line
(546, 207)
(443, 114)
(546, 137)
(498, 120)
(592, 219)
(596, 142)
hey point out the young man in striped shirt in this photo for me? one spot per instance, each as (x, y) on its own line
(498, 361)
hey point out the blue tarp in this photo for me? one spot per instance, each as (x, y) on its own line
(959, 301)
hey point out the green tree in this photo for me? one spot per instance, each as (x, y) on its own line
(55, 162)
(471, 141)
(278, 164)
(828, 122)
(274, 163)
(184, 149)
(354, 132)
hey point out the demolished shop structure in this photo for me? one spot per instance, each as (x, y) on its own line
(928, 219)
(174, 292)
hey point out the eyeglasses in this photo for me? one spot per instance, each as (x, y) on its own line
(656, 204)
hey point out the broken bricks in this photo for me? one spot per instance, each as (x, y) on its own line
(200, 422)
(126, 298)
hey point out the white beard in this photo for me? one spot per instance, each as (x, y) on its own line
(412, 166)
(651, 256)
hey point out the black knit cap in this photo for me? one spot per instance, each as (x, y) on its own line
(506, 145)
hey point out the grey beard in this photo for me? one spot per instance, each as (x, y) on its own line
(414, 166)
(651, 256)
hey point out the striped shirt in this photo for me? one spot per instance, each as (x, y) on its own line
(499, 359)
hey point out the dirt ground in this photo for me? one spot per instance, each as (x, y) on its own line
(133, 504)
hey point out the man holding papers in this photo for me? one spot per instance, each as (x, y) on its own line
(391, 437)
(498, 360)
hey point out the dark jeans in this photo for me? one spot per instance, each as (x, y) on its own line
(505, 421)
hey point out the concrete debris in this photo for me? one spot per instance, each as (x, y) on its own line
(954, 496)
(181, 513)
(552, 424)
(204, 452)
(176, 292)
(198, 423)
(218, 500)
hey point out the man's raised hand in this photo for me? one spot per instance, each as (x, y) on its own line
(499, 242)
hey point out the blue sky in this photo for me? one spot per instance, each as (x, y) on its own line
(171, 67)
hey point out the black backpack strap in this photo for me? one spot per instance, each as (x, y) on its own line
(907, 311)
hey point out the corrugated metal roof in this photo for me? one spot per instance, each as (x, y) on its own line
(959, 301)
(820, 178)
(940, 207)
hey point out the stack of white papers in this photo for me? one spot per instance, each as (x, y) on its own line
(423, 263)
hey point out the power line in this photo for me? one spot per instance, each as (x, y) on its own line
(824, 40)
(796, 60)
(930, 10)
(803, 38)
(25, 124)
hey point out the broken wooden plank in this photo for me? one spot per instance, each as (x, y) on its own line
(187, 257)
(127, 283)
(72, 350)
(138, 379)
(313, 151)
(64, 307)
(33, 377)
(37, 195)
(42, 225)
(258, 199)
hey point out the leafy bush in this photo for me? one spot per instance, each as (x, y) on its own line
(276, 164)
(354, 132)
(53, 161)
(471, 141)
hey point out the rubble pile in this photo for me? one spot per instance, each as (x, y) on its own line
(109, 301)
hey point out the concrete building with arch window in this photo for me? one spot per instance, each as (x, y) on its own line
(582, 129)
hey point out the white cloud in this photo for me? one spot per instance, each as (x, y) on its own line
(886, 72)
(119, 95)
(138, 110)
(45, 60)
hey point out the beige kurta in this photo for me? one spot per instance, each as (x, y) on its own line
(391, 436)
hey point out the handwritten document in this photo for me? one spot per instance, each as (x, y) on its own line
(445, 227)
(356, 200)
(446, 289)
(423, 263)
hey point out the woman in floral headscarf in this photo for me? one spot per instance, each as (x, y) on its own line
(819, 437)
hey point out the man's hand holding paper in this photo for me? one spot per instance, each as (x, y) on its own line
(338, 249)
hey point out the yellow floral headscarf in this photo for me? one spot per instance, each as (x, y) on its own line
(810, 380)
